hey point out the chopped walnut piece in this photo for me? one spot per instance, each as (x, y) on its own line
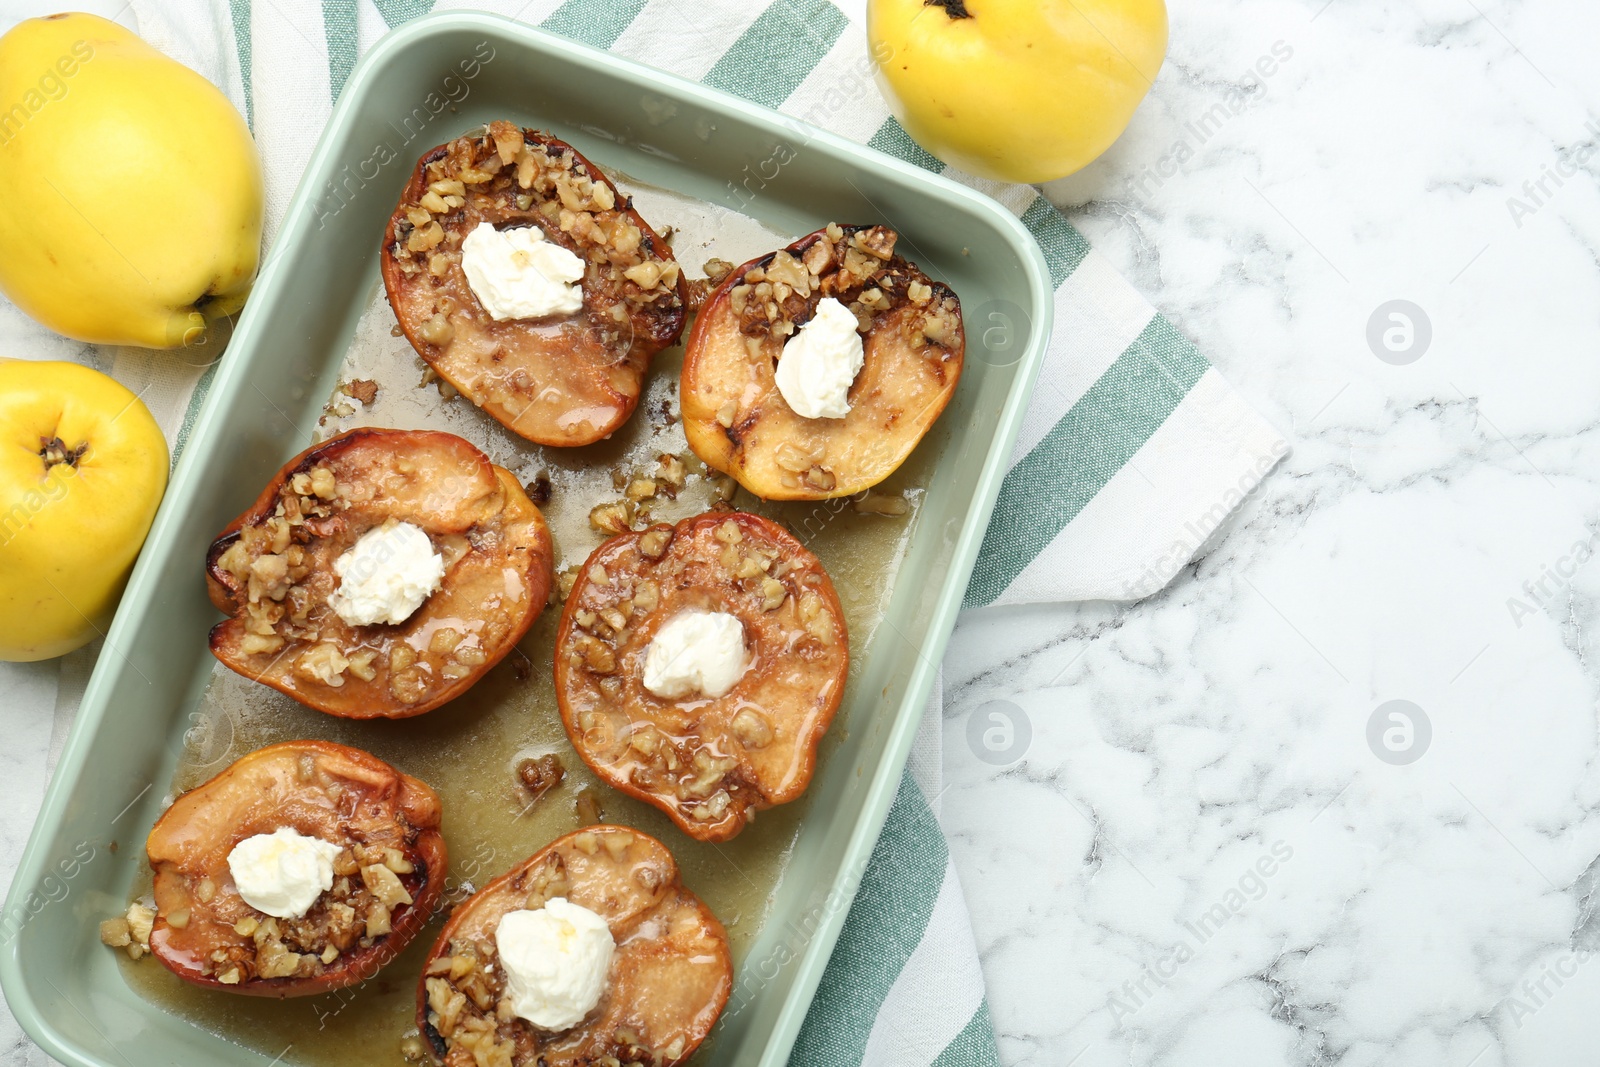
(362, 389)
(878, 241)
(871, 503)
(671, 473)
(539, 775)
(361, 664)
(115, 933)
(323, 663)
(819, 257)
(436, 330)
(429, 236)
(141, 919)
(646, 596)
(564, 582)
(597, 656)
(789, 272)
(323, 483)
(821, 478)
(588, 807)
(257, 644)
(385, 885)
(379, 919)
(444, 640)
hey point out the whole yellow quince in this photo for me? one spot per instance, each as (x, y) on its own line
(82, 469)
(132, 189)
(1016, 90)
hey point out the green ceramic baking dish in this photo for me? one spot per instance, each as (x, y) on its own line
(64, 987)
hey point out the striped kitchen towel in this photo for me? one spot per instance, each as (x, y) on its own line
(1133, 452)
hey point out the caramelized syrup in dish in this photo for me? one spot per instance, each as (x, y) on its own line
(469, 749)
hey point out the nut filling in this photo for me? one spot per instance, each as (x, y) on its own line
(273, 571)
(736, 419)
(669, 977)
(710, 764)
(564, 380)
(388, 875)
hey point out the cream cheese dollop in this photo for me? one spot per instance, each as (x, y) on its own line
(820, 363)
(282, 873)
(517, 274)
(696, 653)
(386, 575)
(555, 959)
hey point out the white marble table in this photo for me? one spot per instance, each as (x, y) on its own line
(1216, 865)
(1429, 541)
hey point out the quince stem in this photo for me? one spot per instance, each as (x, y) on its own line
(53, 450)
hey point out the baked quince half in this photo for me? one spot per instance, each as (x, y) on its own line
(812, 372)
(342, 851)
(379, 574)
(699, 665)
(522, 276)
(590, 952)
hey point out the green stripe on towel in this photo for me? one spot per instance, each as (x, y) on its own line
(594, 22)
(885, 926)
(239, 14)
(893, 139)
(395, 12)
(339, 27)
(190, 413)
(1095, 439)
(974, 1046)
(779, 51)
(1063, 246)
